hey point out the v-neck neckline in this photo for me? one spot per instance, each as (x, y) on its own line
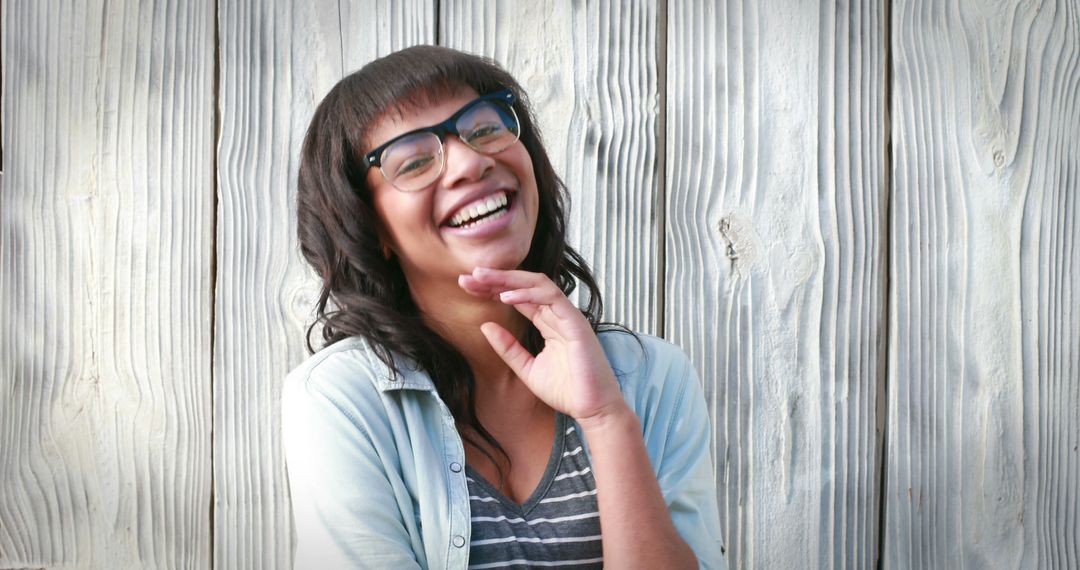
(550, 470)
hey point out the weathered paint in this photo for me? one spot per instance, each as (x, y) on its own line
(728, 164)
(984, 366)
(278, 59)
(105, 284)
(774, 266)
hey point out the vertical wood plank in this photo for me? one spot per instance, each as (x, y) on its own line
(590, 71)
(983, 469)
(105, 279)
(278, 59)
(776, 210)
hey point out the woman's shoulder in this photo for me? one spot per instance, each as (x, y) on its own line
(344, 373)
(347, 358)
(645, 364)
(633, 353)
(657, 381)
(349, 370)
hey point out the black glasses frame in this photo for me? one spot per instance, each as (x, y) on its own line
(449, 126)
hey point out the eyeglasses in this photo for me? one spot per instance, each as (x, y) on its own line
(415, 159)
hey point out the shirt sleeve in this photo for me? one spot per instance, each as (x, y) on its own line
(685, 468)
(344, 507)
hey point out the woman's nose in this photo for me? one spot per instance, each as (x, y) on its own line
(463, 163)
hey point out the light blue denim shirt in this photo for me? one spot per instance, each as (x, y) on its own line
(377, 468)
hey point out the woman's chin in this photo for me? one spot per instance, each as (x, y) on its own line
(507, 261)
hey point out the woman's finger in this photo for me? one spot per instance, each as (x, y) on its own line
(489, 283)
(508, 348)
(477, 289)
(534, 295)
(472, 286)
(549, 296)
(483, 288)
(526, 309)
(510, 279)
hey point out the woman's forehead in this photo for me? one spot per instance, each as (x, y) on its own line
(418, 110)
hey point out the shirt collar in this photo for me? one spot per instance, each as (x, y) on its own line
(410, 377)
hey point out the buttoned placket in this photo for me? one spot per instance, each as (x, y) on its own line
(460, 523)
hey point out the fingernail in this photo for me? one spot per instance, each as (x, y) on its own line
(507, 296)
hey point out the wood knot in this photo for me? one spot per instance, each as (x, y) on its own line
(999, 158)
(743, 247)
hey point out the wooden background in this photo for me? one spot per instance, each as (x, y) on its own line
(859, 219)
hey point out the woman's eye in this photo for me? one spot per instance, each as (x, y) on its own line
(484, 133)
(415, 165)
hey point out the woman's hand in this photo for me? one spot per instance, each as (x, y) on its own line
(571, 374)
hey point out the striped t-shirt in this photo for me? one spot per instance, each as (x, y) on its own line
(559, 525)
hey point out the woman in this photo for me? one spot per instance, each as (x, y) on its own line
(464, 412)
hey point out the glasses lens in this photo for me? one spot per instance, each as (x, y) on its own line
(488, 127)
(413, 162)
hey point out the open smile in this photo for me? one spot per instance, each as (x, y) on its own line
(482, 211)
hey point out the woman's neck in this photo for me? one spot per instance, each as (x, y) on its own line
(457, 316)
(503, 402)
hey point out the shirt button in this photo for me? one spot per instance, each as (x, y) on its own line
(459, 541)
(456, 468)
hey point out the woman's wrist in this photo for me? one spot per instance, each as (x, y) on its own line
(637, 528)
(614, 416)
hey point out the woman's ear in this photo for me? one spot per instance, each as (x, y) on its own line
(384, 242)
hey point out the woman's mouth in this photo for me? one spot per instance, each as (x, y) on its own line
(482, 211)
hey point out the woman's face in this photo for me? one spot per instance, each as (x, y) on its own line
(429, 230)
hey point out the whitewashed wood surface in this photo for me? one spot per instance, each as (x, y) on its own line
(590, 72)
(105, 280)
(731, 184)
(776, 204)
(984, 361)
(278, 59)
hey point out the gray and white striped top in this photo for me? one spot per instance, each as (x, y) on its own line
(559, 525)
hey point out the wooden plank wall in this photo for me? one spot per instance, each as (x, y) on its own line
(278, 60)
(776, 203)
(984, 358)
(729, 165)
(590, 71)
(105, 284)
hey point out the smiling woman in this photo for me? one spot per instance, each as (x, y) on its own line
(463, 413)
(487, 215)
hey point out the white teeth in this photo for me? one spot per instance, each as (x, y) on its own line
(494, 216)
(479, 208)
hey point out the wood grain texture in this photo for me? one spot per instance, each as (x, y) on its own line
(105, 279)
(589, 69)
(278, 59)
(984, 361)
(775, 273)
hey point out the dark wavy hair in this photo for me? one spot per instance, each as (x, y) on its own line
(363, 293)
